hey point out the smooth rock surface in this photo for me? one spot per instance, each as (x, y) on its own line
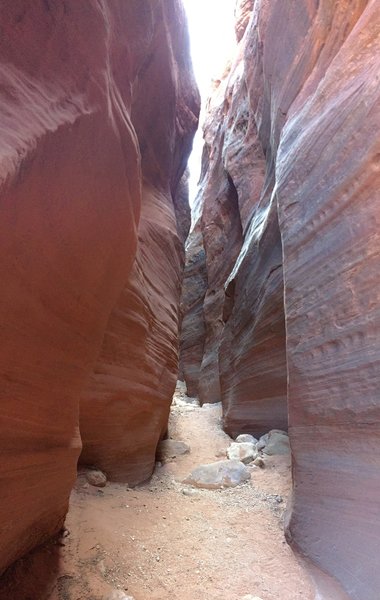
(294, 123)
(224, 473)
(193, 326)
(125, 408)
(70, 198)
(81, 84)
(241, 328)
(244, 451)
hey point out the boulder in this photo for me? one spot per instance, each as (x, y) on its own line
(246, 437)
(277, 442)
(221, 474)
(245, 452)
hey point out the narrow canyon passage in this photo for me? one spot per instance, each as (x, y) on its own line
(255, 288)
(165, 540)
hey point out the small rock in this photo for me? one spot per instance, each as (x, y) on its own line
(224, 473)
(277, 443)
(96, 478)
(258, 462)
(189, 492)
(246, 437)
(211, 404)
(250, 597)
(169, 449)
(245, 452)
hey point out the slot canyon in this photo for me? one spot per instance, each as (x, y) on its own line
(189, 378)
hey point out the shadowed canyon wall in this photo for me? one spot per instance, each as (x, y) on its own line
(294, 122)
(98, 109)
(125, 409)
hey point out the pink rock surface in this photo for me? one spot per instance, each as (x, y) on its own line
(124, 411)
(193, 326)
(309, 74)
(70, 198)
(329, 218)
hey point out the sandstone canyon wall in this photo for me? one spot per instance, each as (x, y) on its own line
(124, 411)
(304, 160)
(97, 109)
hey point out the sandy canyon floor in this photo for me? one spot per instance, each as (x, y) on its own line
(167, 541)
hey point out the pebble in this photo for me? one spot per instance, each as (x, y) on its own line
(189, 492)
(96, 478)
(259, 462)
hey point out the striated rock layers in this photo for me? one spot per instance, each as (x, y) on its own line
(124, 410)
(97, 112)
(303, 156)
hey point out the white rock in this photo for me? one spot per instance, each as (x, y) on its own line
(245, 451)
(246, 437)
(224, 473)
(250, 597)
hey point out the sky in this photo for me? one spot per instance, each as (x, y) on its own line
(212, 41)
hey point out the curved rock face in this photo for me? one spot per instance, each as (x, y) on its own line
(308, 74)
(244, 360)
(329, 218)
(193, 326)
(124, 411)
(73, 151)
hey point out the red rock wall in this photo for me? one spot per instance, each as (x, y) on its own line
(329, 217)
(124, 411)
(70, 198)
(193, 325)
(244, 360)
(311, 73)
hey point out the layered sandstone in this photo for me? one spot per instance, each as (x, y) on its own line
(124, 411)
(306, 173)
(77, 162)
(193, 326)
(242, 242)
